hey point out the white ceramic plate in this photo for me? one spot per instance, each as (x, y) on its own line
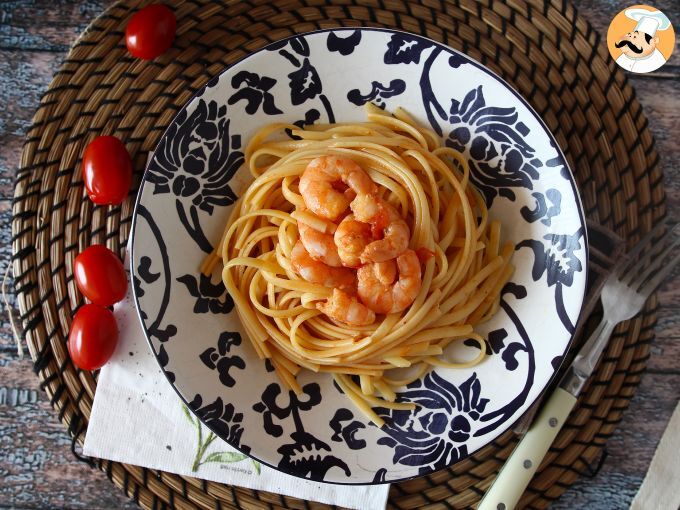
(194, 177)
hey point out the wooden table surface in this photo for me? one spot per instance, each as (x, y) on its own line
(37, 468)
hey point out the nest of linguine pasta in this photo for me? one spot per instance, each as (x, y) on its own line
(429, 186)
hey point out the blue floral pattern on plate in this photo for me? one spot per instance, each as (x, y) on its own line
(192, 326)
(435, 434)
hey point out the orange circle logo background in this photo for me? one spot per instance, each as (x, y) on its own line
(622, 24)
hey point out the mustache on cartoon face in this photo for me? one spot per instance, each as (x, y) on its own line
(626, 42)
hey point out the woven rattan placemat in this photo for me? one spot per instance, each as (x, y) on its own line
(552, 56)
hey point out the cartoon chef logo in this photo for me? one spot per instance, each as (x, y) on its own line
(641, 39)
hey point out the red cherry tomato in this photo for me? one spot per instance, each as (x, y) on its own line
(150, 32)
(100, 275)
(93, 337)
(107, 170)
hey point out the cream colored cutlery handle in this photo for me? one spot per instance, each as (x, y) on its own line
(520, 467)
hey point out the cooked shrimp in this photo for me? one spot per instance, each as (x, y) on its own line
(345, 308)
(320, 246)
(377, 290)
(385, 220)
(351, 237)
(318, 180)
(386, 271)
(317, 272)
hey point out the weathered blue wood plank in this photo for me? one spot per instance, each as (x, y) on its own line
(36, 465)
(45, 25)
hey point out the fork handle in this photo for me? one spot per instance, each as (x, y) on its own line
(520, 467)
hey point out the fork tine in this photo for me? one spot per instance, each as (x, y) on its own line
(631, 257)
(658, 279)
(652, 260)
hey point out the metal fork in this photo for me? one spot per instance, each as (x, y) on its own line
(631, 282)
(625, 292)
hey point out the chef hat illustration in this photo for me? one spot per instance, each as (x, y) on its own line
(648, 21)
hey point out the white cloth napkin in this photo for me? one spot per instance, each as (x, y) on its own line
(137, 418)
(659, 489)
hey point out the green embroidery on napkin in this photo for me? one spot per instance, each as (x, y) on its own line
(202, 447)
